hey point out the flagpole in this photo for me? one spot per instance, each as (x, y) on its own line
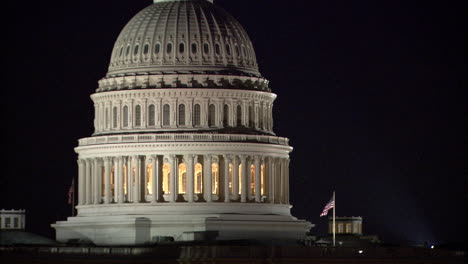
(334, 226)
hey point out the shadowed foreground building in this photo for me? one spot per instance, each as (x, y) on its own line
(183, 147)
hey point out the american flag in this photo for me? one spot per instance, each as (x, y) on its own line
(71, 190)
(328, 206)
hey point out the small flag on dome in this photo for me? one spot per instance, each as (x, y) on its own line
(328, 206)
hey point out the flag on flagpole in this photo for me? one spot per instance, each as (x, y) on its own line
(327, 207)
(71, 191)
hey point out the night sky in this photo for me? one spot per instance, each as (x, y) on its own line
(372, 95)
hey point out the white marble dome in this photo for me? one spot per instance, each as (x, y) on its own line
(183, 36)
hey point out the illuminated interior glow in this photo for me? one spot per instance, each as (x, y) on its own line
(252, 179)
(262, 179)
(214, 178)
(198, 178)
(166, 178)
(149, 179)
(182, 178)
(231, 167)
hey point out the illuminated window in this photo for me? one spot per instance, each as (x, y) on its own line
(239, 115)
(182, 178)
(348, 228)
(196, 115)
(181, 115)
(138, 115)
(125, 179)
(112, 181)
(114, 117)
(103, 181)
(212, 115)
(215, 178)
(241, 185)
(252, 179)
(231, 190)
(198, 178)
(151, 115)
(166, 178)
(166, 115)
(262, 179)
(125, 116)
(226, 116)
(340, 228)
(149, 179)
(251, 117)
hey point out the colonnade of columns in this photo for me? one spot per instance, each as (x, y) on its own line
(183, 178)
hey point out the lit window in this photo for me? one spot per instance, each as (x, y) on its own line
(125, 176)
(241, 186)
(198, 178)
(230, 179)
(166, 115)
(166, 183)
(262, 179)
(252, 179)
(348, 228)
(149, 179)
(340, 228)
(182, 178)
(151, 115)
(215, 178)
(196, 115)
(181, 115)
(138, 115)
(212, 116)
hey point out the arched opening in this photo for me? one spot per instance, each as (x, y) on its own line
(138, 116)
(260, 117)
(166, 115)
(241, 186)
(214, 178)
(151, 115)
(239, 115)
(125, 179)
(252, 179)
(196, 115)
(149, 179)
(166, 181)
(228, 50)
(182, 178)
(194, 48)
(251, 117)
(125, 116)
(198, 178)
(181, 48)
(262, 179)
(226, 116)
(169, 48)
(107, 117)
(206, 48)
(181, 115)
(212, 115)
(135, 51)
(146, 49)
(231, 186)
(112, 181)
(217, 49)
(157, 48)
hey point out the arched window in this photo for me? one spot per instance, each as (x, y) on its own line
(212, 115)
(125, 179)
(260, 117)
(127, 52)
(182, 181)
(151, 115)
(157, 48)
(237, 50)
(114, 117)
(169, 48)
(138, 115)
(112, 182)
(107, 118)
(239, 116)
(239, 176)
(196, 115)
(149, 179)
(135, 51)
(262, 179)
(206, 48)
(166, 115)
(231, 186)
(228, 50)
(125, 116)
(226, 116)
(166, 182)
(121, 51)
(198, 178)
(214, 178)
(181, 115)
(146, 49)
(217, 49)
(181, 48)
(194, 48)
(251, 117)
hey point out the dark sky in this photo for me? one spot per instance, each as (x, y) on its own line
(372, 95)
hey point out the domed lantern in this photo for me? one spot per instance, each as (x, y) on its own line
(184, 147)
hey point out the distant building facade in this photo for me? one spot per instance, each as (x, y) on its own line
(12, 219)
(346, 225)
(348, 233)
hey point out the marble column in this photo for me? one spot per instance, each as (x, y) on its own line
(288, 162)
(81, 181)
(207, 178)
(97, 167)
(258, 191)
(227, 195)
(156, 175)
(174, 177)
(243, 159)
(107, 173)
(88, 182)
(190, 162)
(120, 180)
(136, 186)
